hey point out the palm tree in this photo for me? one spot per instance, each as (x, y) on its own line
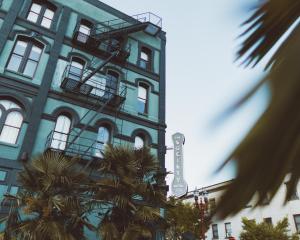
(51, 204)
(131, 188)
(271, 150)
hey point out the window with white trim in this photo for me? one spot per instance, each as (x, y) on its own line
(76, 68)
(142, 99)
(103, 138)
(145, 60)
(11, 119)
(297, 222)
(61, 132)
(25, 56)
(84, 31)
(215, 231)
(228, 230)
(139, 141)
(41, 13)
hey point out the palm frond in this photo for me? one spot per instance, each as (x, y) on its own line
(271, 149)
(268, 24)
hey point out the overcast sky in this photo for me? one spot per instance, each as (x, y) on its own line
(202, 80)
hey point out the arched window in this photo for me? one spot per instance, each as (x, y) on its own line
(25, 56)
(61, 132)
(11, 119)
(139, 141)
(41, 13)
(103, 138)
(142, 99)
(76, 68)
(145, 58)
(112, 83)
(84, 31)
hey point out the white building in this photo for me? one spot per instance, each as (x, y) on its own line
(271, 212)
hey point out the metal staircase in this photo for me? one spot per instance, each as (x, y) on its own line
(110, 39)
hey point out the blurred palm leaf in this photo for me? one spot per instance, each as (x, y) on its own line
(271, 150)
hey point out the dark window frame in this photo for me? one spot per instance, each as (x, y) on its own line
(228, 234)
(111, 74)
(145, 86)
(149, 53)
(80, 61)
(44, 6)
(69, 116)
(295, 195)
(268, 220)
(294, 216)
(215, 236)
(4, 115)
(25, 57)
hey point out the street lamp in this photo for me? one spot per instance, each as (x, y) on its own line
(202, 205)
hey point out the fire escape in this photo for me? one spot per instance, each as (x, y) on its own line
(108, 39)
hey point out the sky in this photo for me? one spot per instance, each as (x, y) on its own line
(203, 80)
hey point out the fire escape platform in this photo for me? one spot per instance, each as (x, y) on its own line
(104, 33)
(103, 91)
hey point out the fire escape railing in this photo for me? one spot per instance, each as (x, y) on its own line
(98, 87)
(84, 147)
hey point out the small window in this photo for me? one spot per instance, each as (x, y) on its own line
(12, 119)
(294, 194)
(139, 142)
(41, 14)
(297, 222)
(268, 220)
(3, 175)
(112, 81)
(76, 69)
(103, 138)
(228, 230)
(142, 99)
(3, 190)
(14, 190)
(145, 60)
(25, 57)
(212, 204)
(61, 132)
(215, 231)
(84, 31)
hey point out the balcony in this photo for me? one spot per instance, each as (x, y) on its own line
(103, 47)
(147, 22)
(86, 148)
(101, 88)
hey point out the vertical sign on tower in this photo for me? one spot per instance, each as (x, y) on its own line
(179, 185)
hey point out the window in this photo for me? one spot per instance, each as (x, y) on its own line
(84, 31)
(25, 57)
(228, 230)
(61, 132)
(3, 175)
(215, 232)
(294, 195)
(212, 204)
(145, 58)
(112, 81)
(139, 142)
(114, 44)
(297, 222)
(268, 220)
(76, 69)
(103, 138)
(41, 14)
(142, 99)
(11, 120)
